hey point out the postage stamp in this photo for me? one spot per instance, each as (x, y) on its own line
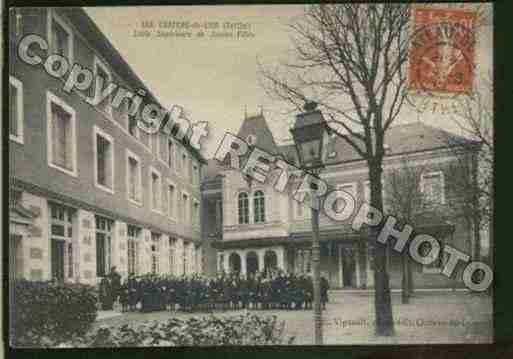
(442, 58)
(442, 51)
(249, 175)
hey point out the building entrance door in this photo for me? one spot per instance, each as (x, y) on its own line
(58, 259)
(348, 267)
(235, 263)
(251, 263)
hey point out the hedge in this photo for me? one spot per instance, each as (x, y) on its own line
(248, 329)
(44, 313)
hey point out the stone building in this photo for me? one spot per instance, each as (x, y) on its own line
(253, 227)
(88, 189)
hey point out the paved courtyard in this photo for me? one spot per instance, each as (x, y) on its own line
(431, 317)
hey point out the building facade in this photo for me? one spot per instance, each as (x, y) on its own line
(89, 190)
(254, 228)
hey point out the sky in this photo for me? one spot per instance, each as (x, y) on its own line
(216, 79)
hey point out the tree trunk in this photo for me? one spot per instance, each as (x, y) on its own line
(382, 301)
(476, 210)
(410, 276)
(405, 294)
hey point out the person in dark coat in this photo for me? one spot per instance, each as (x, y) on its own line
(115, 283)
(252, 292)
(308, 290)
(172, 294)
(123, 297)
(133, 293)
(106, 300)
(324, 292)
(243, 288)
(227, 292)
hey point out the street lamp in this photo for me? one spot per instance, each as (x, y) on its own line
(308, 132)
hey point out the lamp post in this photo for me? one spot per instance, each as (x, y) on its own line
(308, 132)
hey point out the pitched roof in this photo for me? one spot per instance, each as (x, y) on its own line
(262, 137)
(405, 138)
(399, 139)
(258, 128)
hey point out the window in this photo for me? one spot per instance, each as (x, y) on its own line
(131, 120)
(432, 186)
(134, 234)
(185, 169)
(195, 214)
(171, 200)
(133, 178)
(61, 240)
(259, 206)
(243, 208)
(172, 251)
(185, 208)
(251, 140)
(170, 153)
(102, 80)
(155, 188)
(60, 36)
(104, 228)
(155, 252)
(62, 148)
(104, 160)
(15, 110)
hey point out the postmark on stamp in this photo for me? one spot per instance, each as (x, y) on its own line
(441, 62)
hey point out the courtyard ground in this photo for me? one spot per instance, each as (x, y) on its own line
(431, 317)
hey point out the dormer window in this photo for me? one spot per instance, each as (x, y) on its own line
(251, 140)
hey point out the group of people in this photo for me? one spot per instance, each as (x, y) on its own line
(109, 289)
(262, 290)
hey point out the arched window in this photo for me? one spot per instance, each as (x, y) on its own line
(243, 208)
(259, 206)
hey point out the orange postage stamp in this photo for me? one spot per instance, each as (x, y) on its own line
(442, 52)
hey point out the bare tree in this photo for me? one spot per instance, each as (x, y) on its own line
(406, 201)
(473, 170)
(351, 60)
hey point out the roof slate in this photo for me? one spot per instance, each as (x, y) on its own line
(257, 126)
(404, 138)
